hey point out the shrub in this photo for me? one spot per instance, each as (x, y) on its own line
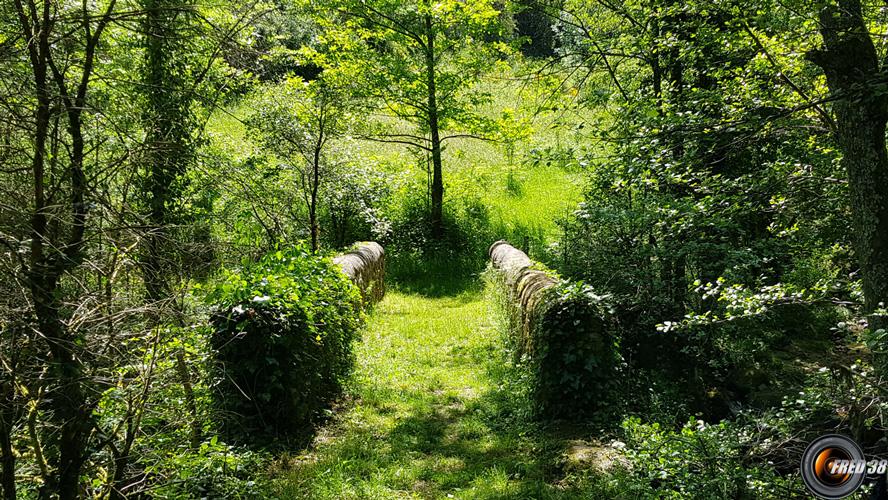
(282, 337)
(701, 460)
(212, 470)
(352, 211)
(417, 255)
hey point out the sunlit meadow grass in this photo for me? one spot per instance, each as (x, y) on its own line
(516, 193)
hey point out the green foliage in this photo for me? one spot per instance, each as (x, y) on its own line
(574, 356)
(570, 362)
(168, 116)
(282, 338)
(213, 470)
(717, 220)
(161, 451)
(290, 118)
(535, 25)
(698, 137)
(426, 59)
(269, 47)
(301, 124)
(463, 245)
(393, 39)
(700, 461)
(354, 207)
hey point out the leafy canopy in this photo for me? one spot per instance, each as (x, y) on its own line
(395, 51)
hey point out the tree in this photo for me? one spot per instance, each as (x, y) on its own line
(299, 122)
(855, 77)
(169, 126)
(420, 62)
(716, 132)
(533, 22)
(61, 42)
(169, 84)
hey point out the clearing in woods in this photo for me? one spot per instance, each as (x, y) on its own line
(430, 413)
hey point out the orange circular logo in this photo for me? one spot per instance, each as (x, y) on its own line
(833, 466)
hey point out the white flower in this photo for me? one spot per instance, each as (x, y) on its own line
(264, 298)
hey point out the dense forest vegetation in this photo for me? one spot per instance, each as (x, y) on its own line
(702, 187)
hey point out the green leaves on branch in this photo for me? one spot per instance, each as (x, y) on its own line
(394, 54)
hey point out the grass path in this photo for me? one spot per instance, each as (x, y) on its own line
(427, 416)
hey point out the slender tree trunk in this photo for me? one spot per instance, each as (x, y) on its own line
(190, 399)
(656, 69)
(68, 406)
(671, 70)
(53, 255)
(437, 215)
(9, 411)
(853, 71)
(71, 404)
(68, 402)
(315, 185)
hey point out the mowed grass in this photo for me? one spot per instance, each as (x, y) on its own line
(428, 416)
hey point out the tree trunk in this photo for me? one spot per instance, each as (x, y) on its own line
(190, 398)
(9, 411)
(69, 405)
(168, 123)
(437, 215)
(671, 69)
(852, 68)
(68, 402)
(315, 185)
(160, 162)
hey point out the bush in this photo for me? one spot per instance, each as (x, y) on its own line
(282, 337)
(416, 255)
(353, 196)
(213, 470)
(756, 453)
(701, 460)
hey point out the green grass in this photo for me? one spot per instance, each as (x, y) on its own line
(478, 169)
(434, 408)
(431, 414)
(473, 169)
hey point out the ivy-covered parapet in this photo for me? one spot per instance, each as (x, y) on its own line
(364, 264)
(282, 340)
(561, 330)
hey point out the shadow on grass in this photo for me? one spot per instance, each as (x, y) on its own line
(433, 277)
(443, 445)
(436, 450)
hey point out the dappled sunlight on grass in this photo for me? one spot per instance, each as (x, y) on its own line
(427, 416)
